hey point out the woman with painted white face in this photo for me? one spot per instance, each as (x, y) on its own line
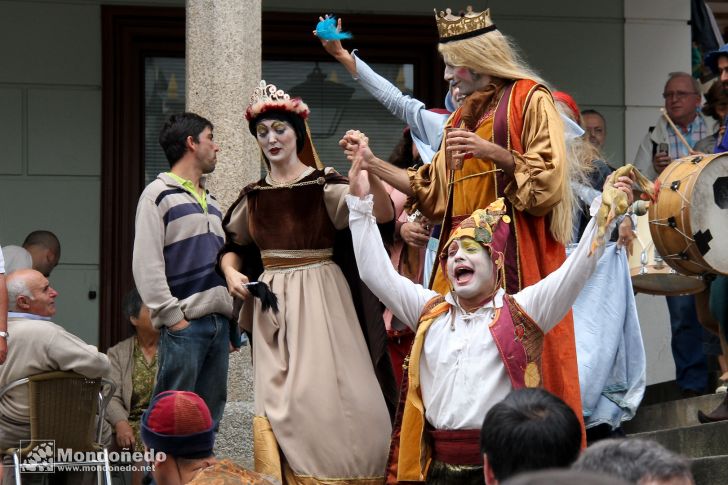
(472, 346)
(320, 415)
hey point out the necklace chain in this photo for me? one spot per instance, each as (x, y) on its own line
(289, 181)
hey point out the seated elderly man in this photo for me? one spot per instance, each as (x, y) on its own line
(472, 346)
(37, 345)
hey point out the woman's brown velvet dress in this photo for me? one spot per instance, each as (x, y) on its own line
(319, 412)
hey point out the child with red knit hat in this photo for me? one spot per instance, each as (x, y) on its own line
(178, 424)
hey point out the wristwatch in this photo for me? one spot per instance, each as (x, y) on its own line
(5, 335)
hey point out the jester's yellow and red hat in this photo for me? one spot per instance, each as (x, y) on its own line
(490, 227)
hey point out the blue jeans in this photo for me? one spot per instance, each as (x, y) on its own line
(196, 359)
(691, 368)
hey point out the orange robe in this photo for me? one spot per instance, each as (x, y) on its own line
(536, 140)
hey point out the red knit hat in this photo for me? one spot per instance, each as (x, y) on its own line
(178, 423)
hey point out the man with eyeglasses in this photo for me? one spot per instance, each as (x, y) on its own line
(659, 148)
(662, 145)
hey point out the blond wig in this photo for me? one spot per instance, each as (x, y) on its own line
(562, 215)
(492, 53)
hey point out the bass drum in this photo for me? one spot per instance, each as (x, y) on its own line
(650, 274)
(689, 219)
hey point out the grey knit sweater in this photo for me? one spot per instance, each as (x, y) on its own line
(175, 249)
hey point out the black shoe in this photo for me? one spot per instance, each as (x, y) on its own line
(718, 414)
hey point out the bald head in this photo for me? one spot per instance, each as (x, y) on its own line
(45, 249)
(30, 292)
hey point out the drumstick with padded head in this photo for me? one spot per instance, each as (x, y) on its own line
(677, 132)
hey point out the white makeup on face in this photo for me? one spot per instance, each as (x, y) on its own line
(277, 139)
(464, 81)
(470, 271)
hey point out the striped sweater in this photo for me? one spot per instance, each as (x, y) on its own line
(175, 250)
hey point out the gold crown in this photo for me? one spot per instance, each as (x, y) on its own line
(468, 24)
(268, 97)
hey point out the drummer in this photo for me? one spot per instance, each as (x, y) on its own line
(661, 145)
(716, 106)
(717, 61)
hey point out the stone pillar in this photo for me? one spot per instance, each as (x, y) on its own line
(223, 67)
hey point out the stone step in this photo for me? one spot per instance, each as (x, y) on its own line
(240, 376)
(235, 437)
(671, 414)
(698, 441)
(711, 470)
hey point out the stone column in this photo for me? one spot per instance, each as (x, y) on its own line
(223, 67)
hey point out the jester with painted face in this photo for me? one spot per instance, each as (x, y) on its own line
(474, 344)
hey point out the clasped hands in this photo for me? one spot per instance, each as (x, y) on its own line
(356, 148)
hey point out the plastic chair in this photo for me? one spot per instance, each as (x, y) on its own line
(63, 408)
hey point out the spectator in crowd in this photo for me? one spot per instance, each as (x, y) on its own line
(661, 145)
(639, 461)
(659, 148)
(38, 345)
(178, 424)
(16, 257)
(588, 169)
(716, 107)
(178, 234)
(563, 477)
(531, 429)
(134, 371)
(717, 61)
(595, 127)
(45, 250)
(41, 251)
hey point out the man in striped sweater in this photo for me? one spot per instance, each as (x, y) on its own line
(178, 234)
